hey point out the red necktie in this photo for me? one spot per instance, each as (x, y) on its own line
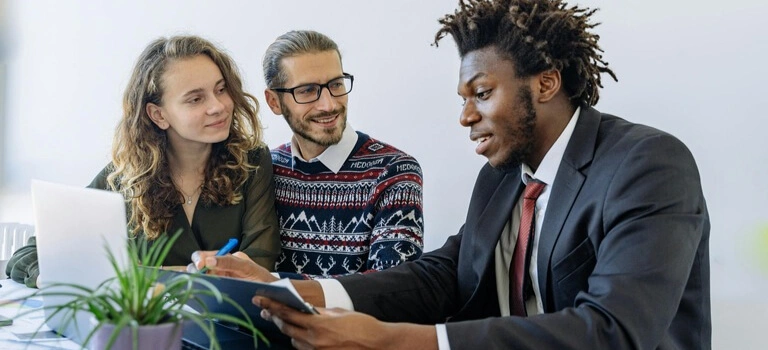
(524, 236)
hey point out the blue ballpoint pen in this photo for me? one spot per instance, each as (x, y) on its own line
(223, 251)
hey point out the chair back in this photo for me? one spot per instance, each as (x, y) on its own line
(12, 237)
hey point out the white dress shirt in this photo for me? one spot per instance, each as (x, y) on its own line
(506, 246)
(336, 296)
(335, 155)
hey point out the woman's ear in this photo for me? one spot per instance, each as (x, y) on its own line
(155, 113)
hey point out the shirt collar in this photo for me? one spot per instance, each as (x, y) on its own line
(335, 155)
(551, 162)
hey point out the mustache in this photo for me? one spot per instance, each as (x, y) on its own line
(332, 113)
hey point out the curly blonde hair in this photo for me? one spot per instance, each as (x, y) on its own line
(140, 168)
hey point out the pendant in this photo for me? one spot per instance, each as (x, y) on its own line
(189, 200)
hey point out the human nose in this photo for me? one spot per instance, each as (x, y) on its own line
(218, 104)
(469, 114)
(326, 102)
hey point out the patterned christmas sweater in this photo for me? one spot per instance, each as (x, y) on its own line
(367, 217)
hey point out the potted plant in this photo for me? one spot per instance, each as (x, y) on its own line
(133, 309)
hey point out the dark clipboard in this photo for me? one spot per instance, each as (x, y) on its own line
(285, 296)
(242, 293)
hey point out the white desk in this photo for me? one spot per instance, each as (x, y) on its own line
(10, 295)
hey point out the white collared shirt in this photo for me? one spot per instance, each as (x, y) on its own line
(336, 296)
(506, 246)
(334, 156)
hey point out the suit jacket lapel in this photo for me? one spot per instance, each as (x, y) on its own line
(487, 229)
(568, 181)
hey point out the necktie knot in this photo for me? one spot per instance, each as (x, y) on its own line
(533, 189)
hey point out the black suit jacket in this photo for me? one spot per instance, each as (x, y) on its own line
(623, 253)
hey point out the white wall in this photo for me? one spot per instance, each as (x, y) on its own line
(692, 68)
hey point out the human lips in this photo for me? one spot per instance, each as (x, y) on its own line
(218, 123)
(325, 120)
(482, 141)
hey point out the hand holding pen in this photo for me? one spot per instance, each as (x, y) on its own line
(223, 251)
(237, 265)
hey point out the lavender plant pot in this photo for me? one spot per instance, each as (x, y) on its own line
(165, 336)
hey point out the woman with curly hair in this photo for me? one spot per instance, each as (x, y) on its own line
(188, 155)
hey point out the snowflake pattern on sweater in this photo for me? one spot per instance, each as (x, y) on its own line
(367, 217)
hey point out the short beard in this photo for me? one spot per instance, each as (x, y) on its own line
(527, 124)
(302, 131)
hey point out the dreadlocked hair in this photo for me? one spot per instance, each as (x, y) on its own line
(536, 35)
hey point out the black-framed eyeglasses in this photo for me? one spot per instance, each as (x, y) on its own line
(309, 93)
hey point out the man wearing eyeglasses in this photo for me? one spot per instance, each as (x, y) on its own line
(346, 202)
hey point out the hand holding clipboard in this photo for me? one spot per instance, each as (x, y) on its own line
(283, 292)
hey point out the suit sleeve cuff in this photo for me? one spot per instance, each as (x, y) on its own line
(442, 337)
(335, 294)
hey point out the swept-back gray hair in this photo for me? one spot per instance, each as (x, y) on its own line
(293, 43)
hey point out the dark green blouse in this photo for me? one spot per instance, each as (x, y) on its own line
(253, 221)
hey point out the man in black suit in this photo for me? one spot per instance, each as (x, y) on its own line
(617, 256)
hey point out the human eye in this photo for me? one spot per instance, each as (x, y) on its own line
(221, 89)
(194, 100)
(337, 84)
(483, 94)
(310, 89)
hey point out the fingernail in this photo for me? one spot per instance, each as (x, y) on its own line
(196, 257)
(266, 315)
(191, 268)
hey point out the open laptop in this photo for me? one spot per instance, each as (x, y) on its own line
(75, 226)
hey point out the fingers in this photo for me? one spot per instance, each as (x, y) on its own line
(230, 262)
(198, 257)
(300, 345)
(238, 265)
(241, 255)
(297, 332)
(266, 315)
(279, 323)
(297, 335)
(192, 268)
(233, 266)
(218, 265)
(195, 257)
(307, 331)
(277, 310)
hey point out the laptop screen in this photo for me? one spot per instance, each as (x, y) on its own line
(75, 226)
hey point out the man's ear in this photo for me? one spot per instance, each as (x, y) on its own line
(272, 101)
(155, 113)
(547, 85)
